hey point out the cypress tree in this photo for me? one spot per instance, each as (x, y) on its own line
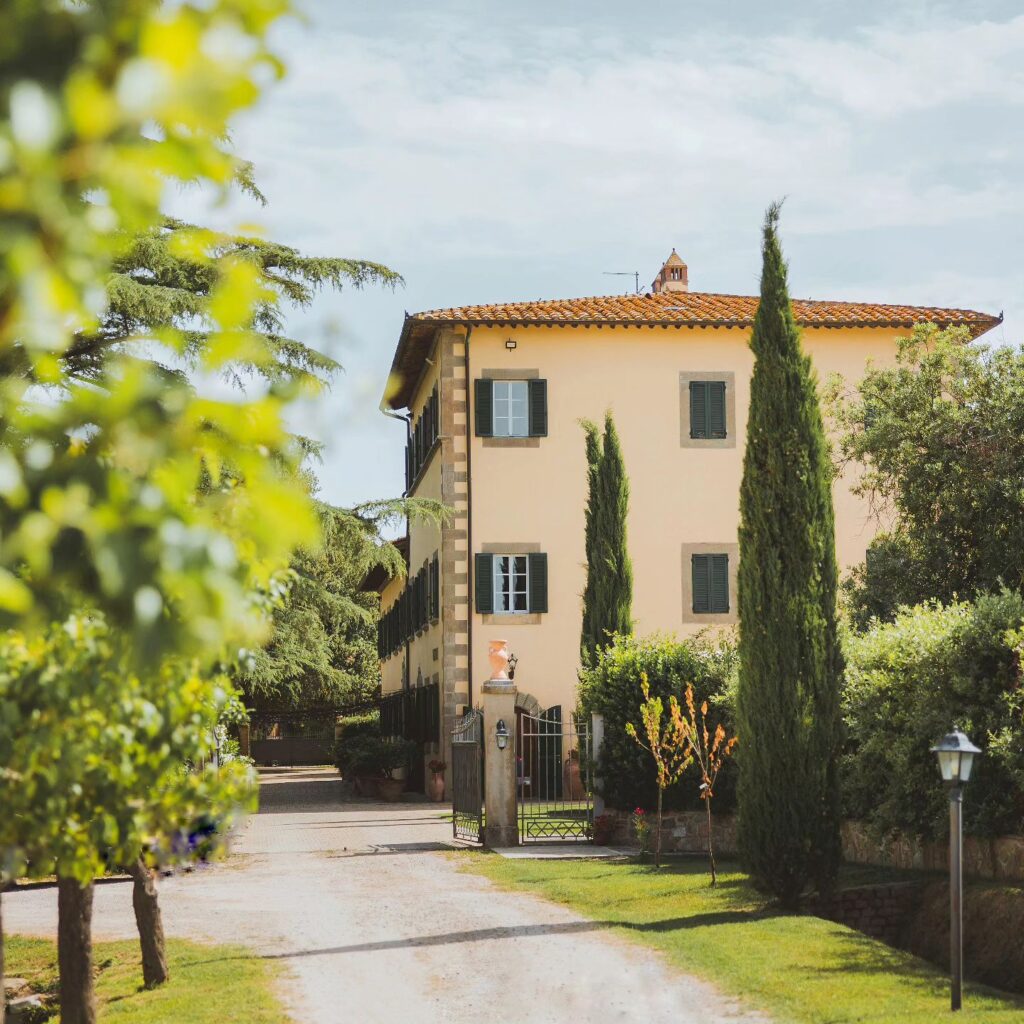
(790, 661)
(590, 634)
(608, 597)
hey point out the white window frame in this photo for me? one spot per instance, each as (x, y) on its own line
(505, 422)
(513, 576)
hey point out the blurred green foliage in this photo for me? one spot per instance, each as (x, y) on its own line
(161, 507)
(146, 528)
(94, 753)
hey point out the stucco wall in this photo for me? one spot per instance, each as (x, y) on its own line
(680, 495)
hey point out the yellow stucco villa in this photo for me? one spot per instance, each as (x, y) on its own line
(493, 396)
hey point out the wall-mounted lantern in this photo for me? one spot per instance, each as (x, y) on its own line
(501, 734)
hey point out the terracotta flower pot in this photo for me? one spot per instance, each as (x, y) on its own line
(390, 790)
(435, 787)
(572, 782)
(366, 785)
(497, 653)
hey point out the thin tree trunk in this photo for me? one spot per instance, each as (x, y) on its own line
(3, 994)
(150, 924)
(74, 952)
(657, 838)
(711, 845)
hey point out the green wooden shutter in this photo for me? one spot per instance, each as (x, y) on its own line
(484, 583)
(698, 409)
(719, 583)
(701, 583)
(484, 396)
(538, 568)
(716, 408)
(538, 394)
(435, 589)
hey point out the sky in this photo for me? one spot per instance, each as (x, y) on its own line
(496, 152)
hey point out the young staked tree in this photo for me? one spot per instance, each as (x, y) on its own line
(665, 738)
(788, 699)
(608, 595)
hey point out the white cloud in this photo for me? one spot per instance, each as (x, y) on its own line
(521, 149)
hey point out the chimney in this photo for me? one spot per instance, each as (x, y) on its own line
(672, 277)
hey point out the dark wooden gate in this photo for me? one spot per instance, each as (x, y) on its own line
(292, 738)
(468, 778)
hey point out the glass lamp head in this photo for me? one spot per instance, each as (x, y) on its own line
(955, 754)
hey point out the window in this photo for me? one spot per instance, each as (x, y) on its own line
(422, 438)
(511, 407)
(511, 583)
(707, 409)
(710, 584)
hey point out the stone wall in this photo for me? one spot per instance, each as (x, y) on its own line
(682, 832)
(880, 911)
(1001, 859)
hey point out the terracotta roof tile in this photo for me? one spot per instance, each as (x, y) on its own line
(703, 309)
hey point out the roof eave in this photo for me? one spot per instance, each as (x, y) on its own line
(402, 393)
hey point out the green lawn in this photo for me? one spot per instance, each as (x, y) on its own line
(209, 984)
(800, 969)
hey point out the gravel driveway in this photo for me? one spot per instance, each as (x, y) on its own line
(375, 925)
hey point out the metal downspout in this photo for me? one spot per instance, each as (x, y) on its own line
(469, 526)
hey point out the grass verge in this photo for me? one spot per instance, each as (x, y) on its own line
(800, 969)
(209, 984)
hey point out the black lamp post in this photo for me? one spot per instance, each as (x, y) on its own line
(955, 753)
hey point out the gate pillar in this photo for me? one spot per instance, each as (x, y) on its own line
(499, 706)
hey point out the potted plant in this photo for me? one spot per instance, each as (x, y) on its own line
(435, 787)
(391, 755)
(357, 760)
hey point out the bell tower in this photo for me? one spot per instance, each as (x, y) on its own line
(673, 276)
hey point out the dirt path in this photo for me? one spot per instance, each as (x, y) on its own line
(375, 925)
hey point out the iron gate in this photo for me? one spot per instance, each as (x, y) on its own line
(468, 778)
(554, 788)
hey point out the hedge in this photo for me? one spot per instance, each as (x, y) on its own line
(907, 683)
(355, 733)
(611, 687)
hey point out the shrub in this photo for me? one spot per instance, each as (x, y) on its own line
(353, 744)
(611, 687)
(372, 755)
(367, 724)
(907, 683)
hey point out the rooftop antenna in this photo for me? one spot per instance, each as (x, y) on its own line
(635, 274)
